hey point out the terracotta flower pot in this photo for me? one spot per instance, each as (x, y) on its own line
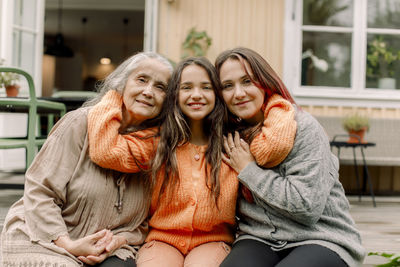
(12, 90)
(360, 134)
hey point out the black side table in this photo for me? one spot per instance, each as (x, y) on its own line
(354, 146)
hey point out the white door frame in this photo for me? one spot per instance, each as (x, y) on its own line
(150, 25)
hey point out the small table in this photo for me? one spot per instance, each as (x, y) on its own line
(354, 146)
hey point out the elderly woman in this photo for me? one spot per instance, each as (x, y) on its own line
(74, 212)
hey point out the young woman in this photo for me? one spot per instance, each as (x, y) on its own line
(73, 212)
(192, 214)
(295, 213)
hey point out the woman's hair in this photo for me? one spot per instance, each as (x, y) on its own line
(264, 77)
(175, 130)
(117, 79)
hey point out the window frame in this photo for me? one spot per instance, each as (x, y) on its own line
(357, 94)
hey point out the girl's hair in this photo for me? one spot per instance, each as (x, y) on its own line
(117, 79)
(175, 130)
(264, 77)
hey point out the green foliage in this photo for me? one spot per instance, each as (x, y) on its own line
(173, 63)
(381, 59)
(394, 259)
(196, 43)
(7, 78)
(320, 11)
(355, 122)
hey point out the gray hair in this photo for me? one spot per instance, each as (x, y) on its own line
(116, 80)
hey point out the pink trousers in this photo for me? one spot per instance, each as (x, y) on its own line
(157, 254)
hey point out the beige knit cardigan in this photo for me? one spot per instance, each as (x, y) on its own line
(66, 193)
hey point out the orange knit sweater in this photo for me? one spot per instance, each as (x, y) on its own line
(111, 150)
(275, 141)
(186, 216)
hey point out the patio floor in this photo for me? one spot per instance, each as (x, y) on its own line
(379, 227)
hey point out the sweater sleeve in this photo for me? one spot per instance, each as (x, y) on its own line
(46, 180)
(272, 145)
(112, 150)
(299, 187)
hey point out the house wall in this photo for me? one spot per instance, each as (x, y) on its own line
(341, 111)
(257, 24)
(385, 179)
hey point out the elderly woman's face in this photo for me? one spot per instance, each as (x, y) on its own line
(145, 90)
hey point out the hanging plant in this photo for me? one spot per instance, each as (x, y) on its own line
(196, 43)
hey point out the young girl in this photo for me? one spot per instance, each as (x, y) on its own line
(295, 212)
(192, 214)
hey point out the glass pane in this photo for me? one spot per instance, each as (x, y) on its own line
(384, 14)
(383, 61)
(17, 12)
(326, 59)
(328, 12)
(16, 48)
(23, 45)
(23, 13)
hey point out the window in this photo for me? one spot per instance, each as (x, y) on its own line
(345, 49)
(383, 44)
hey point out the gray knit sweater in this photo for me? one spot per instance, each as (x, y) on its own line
(301, 201)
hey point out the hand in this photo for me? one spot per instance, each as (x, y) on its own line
(93, 244)
(238, 152)
(116, 242)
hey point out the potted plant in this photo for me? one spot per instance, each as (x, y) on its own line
(356, 125)
(380, 63)
(8, 80)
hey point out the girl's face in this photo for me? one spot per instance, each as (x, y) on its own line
(144, 92)
(196, 95)
(241, 96)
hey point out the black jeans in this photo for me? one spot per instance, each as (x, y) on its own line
(114, 261)
(253, 253)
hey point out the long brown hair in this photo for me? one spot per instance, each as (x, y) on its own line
(264, 77)
(175, 130)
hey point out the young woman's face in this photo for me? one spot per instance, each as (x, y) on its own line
(196, 95)
(145, 90)
(241, 96)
